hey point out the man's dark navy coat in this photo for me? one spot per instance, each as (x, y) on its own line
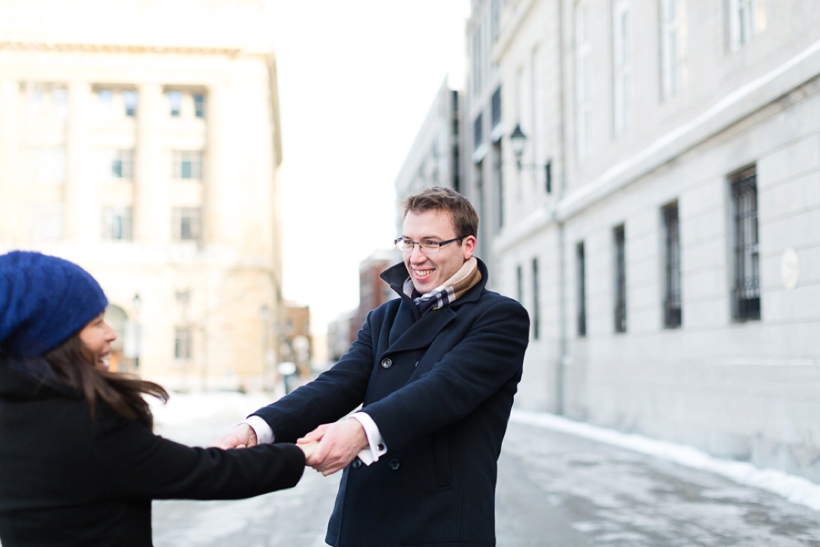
(440, 389)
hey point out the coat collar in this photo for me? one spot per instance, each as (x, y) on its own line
(410, 331)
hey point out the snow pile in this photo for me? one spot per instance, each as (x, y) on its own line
(187, 408)
(795, 489)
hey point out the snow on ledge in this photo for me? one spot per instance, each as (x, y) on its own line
(793, 488)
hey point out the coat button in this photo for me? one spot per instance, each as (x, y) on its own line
(394, 464)
(357, 463)
(387, 363)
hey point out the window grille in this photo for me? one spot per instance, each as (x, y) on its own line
(187, 165)
(672, 294)
(580, 260)
(187, 223)
(536, 304)
(746, 293)
(129, 99)
(495, 107)
(122, 164)
(620, 279)
(174, 103)
(199, 105)
(182, 343)
(116, 223)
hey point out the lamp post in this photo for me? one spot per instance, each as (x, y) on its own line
(519, 141)
(264, 314)
(136, 304)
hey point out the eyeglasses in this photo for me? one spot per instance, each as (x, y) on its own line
(427, 246)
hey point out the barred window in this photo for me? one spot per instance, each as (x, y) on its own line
(116, 223)
(174, 103)
(122, 164)
(536, 304)
(187, 223)
(746, 291)
(672, 294)
(182, 343)
(580, 271)
(187, 164)
(620, 278)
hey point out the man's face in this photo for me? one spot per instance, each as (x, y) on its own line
(430, 271)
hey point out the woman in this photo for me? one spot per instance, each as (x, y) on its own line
(79, 464)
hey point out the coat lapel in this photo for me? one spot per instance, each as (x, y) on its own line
(421, 332)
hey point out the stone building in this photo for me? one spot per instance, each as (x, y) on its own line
(672, 275)
(434, 159)
(148, 151)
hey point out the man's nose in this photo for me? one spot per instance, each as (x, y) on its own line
(416, 256)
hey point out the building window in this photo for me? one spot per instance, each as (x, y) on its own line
(59, 101)
(580, 272)
(46, 223)
(495, 19)
(620, 278)
(673, 46)
(182, 343)
(498, 175)
(747, 254)
(536, 304)
(747, 18)
(187, 223)
(672, 291)
(583, 80)
(187, 165)
(106, 97)
(622, 63)
(116, 223)
(174, 103)
(199, 105)
(122, 164)
(478, 131)
(495, 108)
(130, 99)
(519, 283)
(47, 165)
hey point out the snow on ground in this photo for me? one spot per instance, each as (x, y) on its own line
(795, 489)
(189, 408)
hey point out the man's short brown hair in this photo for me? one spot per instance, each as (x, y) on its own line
(439, 198)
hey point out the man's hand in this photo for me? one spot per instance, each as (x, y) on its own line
(339, 443)
(241, 436)
(308, 449)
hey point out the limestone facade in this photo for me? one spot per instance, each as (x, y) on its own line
(673, 272)
(148, 152)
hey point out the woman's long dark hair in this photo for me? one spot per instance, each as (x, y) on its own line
(122, 392)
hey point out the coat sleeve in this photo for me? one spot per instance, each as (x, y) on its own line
(136, 464)
(332, 395)
(490, 355)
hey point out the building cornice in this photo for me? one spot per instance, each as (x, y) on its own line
(511, 28)
(734, 107)
(9, 45)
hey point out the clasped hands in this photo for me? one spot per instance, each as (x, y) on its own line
(328, 448)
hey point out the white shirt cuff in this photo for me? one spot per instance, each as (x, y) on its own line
(264, 434)
(377, 447)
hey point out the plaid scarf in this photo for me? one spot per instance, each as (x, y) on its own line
(464, 279)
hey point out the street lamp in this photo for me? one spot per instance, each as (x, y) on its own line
(519, 141)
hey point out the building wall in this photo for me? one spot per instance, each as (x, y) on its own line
(65, 76)
(738, 389)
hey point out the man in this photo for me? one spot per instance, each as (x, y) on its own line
(435, 372)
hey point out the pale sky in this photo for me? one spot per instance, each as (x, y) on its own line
(356, 79)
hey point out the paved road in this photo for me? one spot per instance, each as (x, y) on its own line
(555, 490)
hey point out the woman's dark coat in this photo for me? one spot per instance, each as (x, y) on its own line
(67, 479)
(440, 389)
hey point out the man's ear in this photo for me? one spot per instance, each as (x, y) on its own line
(468, 247)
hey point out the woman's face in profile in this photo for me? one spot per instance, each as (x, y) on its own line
(96, 337)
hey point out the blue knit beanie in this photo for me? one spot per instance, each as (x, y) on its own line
(44, 300)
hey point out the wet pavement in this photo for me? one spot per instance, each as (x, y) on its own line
(555, 490)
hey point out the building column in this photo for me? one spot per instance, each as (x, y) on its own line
(151, 213)
(12, 209)
(81, 205)
(219, 197)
